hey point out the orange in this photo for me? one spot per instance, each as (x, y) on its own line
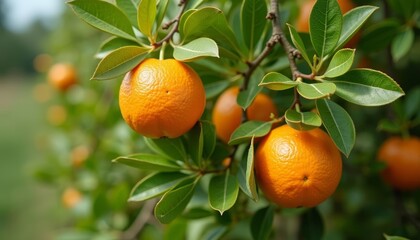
(297, 168)
(79, 155)
(227, 114)
(302, 23)
(71, 197)
(402, 157)
(162, 98)
(62, 76)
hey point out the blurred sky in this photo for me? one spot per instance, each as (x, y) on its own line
(21, 13)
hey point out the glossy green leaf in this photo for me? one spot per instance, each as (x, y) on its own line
(146, 161)
(367, 87)
(119, 62)
(387, 237)
(338, 124)
(173, 202)
(325, 26)
(245, 98)
(402, 43)
(209, 138)
(253, 22)
(316, 90)
(262, 222)
(129, 7)
(223, 192)
(172, 148)
(312, 225)
(246, 175)
(198, 48)
(249, 129)
(161, 11)
(298, 42)
(340, 63)
(183, 19)
(209, 22)
(195, 143)
(197, 213)
(155, 185)
(104, 16)
(353, 21)
(146, 15)
(113, 44)
(302, 121)
(378, 36)
(277, 81)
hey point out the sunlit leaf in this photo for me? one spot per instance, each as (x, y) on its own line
(223, 192)
(340, 63)
(198, 48)
(277, 81)
(246, 176)
(145, 161)
(249, 129)
(316, 90)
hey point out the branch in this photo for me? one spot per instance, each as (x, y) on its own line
(175, 22)
(138, 224)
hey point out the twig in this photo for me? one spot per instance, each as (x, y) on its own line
(138, 224)
(175, 22)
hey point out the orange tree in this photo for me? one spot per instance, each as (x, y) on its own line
(167, 51)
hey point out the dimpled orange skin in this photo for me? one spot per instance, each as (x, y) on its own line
(227, 114)
(297, 168)
(402, 157)
(162, 98)
(62, 76)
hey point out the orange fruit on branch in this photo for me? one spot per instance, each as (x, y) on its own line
(297, 168)
(71, 197)
(402, 157)
(62, 76)
(162, 98)
(227, 114)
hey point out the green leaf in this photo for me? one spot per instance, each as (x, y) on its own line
(172, 148)
(209, 22)
(262, 222)
(312, 225)
(145, 161)
(412, 103)
(195, 143)
(175, 201)
(367, 87)
(378, 36)
(175, 230)
(216, 233)
(209, 138)
(162, 8)
(338, 124)
(325, 26)
(146, 15)
(119, 62)
(387, 237)
(389, 126)
(302, 121)
(129, 7)
(316, 90)
(253, 22)
(402, 43)
(277, 81)
(103, 16)
(198, 48)
(155, 185)
(298, 42)
(183, 19)
(245, 98)
(197, 213)
(111, 44)
(223, 192)
(249, 129)
(340, 63)
(352, 22)
(213, 89)
(246, 176)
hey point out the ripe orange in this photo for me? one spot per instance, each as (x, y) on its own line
(402, 157)
(302, 23)
(79, 155)
(162, 98)
(62, 76)
(71, 197)
(227, 114)
(297, 168)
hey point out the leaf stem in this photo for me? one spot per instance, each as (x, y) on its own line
(175, 22)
